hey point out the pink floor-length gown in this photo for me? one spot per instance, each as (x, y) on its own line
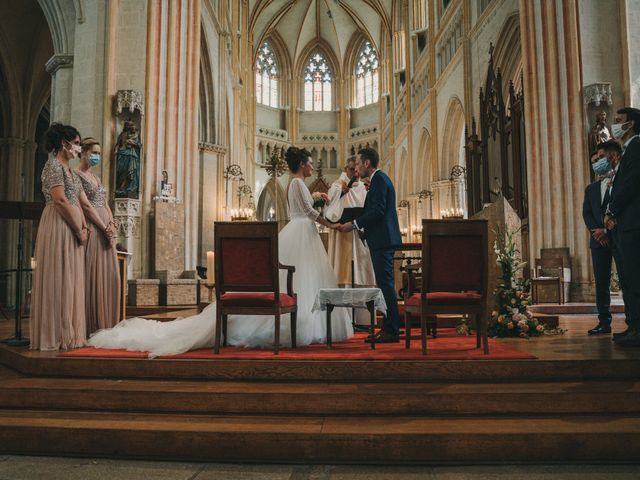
(57, 301)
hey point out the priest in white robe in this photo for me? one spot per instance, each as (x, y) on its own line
(343, 195)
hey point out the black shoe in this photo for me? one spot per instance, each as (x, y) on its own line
(622, 334)
(632, 339)
(384, 337)
(361, 328)
(600, 329)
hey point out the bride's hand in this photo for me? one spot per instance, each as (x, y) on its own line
(320, 196)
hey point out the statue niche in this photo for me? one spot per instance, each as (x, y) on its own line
(599, 133)
(127, 153)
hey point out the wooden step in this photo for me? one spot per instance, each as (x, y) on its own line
(623, 365)
(322, 439)
(254, 398)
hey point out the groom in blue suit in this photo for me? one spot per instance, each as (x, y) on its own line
(382, 232)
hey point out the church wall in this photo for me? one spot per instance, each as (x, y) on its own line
(602, 54)
(268, 116)
(318, 122)
(365, 116)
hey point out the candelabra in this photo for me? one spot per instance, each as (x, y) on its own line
(243, 214)
(231, 172)
(275, 167)
(456, 211)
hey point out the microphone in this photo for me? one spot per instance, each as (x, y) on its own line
(353, 180)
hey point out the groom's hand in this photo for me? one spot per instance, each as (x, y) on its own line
(345, 227)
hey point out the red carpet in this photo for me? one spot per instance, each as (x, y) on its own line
(448, 346)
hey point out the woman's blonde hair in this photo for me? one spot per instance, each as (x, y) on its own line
(87, 143)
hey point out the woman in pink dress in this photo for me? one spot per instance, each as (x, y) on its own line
(102, 285)
(57, 302)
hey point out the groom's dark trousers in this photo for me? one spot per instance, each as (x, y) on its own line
(382, 232)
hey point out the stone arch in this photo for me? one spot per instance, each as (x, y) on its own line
(61, 17)
(507, 56)
(423, 176)
(284, 65)
(267, 200)
(453, 138)
(321, 45)
(350, 59)
(403, 175)
(207, 127)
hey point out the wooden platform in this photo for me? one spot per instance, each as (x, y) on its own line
(576, 403)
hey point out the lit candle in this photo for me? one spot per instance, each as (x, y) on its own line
(210, 272)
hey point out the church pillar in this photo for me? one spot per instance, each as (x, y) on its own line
(60, 67)
(88, 95)
(629, 16)
(171, 114)
(556, 165)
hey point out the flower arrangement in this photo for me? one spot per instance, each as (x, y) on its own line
(511, 317)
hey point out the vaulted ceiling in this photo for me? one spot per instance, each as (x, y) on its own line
(333, 22)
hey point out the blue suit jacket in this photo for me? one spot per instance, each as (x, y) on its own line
(380, 219)
(625, 193)
(591, 210)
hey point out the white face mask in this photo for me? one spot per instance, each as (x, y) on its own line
(617, 131)
(74, 149)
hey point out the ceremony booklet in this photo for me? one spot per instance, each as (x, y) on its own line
(350, 214)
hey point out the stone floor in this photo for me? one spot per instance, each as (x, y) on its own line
(46, 468)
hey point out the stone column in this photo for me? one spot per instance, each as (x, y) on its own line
(556, 166)
(60, 67)
(171, 114)
(629, 21)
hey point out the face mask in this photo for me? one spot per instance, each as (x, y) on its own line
(74, 149)
(617, 131)
(94, 159)
(601, 167)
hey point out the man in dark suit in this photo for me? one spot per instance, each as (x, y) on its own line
(603, 250)
(623, 214)
(382, 232)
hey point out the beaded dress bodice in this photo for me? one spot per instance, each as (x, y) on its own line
(55, 174)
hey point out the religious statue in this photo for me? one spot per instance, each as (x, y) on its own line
(599, 133)
(127, 153)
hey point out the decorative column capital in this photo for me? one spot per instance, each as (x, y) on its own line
(57, 62)
(597, 93)
(126, 216)
(131, 100)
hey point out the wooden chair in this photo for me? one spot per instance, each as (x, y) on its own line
(247, 277)
(541, 277)
(454, 276)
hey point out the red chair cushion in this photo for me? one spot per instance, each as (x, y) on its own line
(247, 261)
(446, 298)
(455, 261)
(255, 299)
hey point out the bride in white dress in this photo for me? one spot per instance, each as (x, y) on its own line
(299, 245)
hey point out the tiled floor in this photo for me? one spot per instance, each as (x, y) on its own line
(46, 468)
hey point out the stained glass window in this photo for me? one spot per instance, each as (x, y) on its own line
(366, 75)
(267, 74)
(317, 84)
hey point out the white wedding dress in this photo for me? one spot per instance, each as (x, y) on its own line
(299, 245)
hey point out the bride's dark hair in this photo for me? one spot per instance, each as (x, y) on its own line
(295, 157)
